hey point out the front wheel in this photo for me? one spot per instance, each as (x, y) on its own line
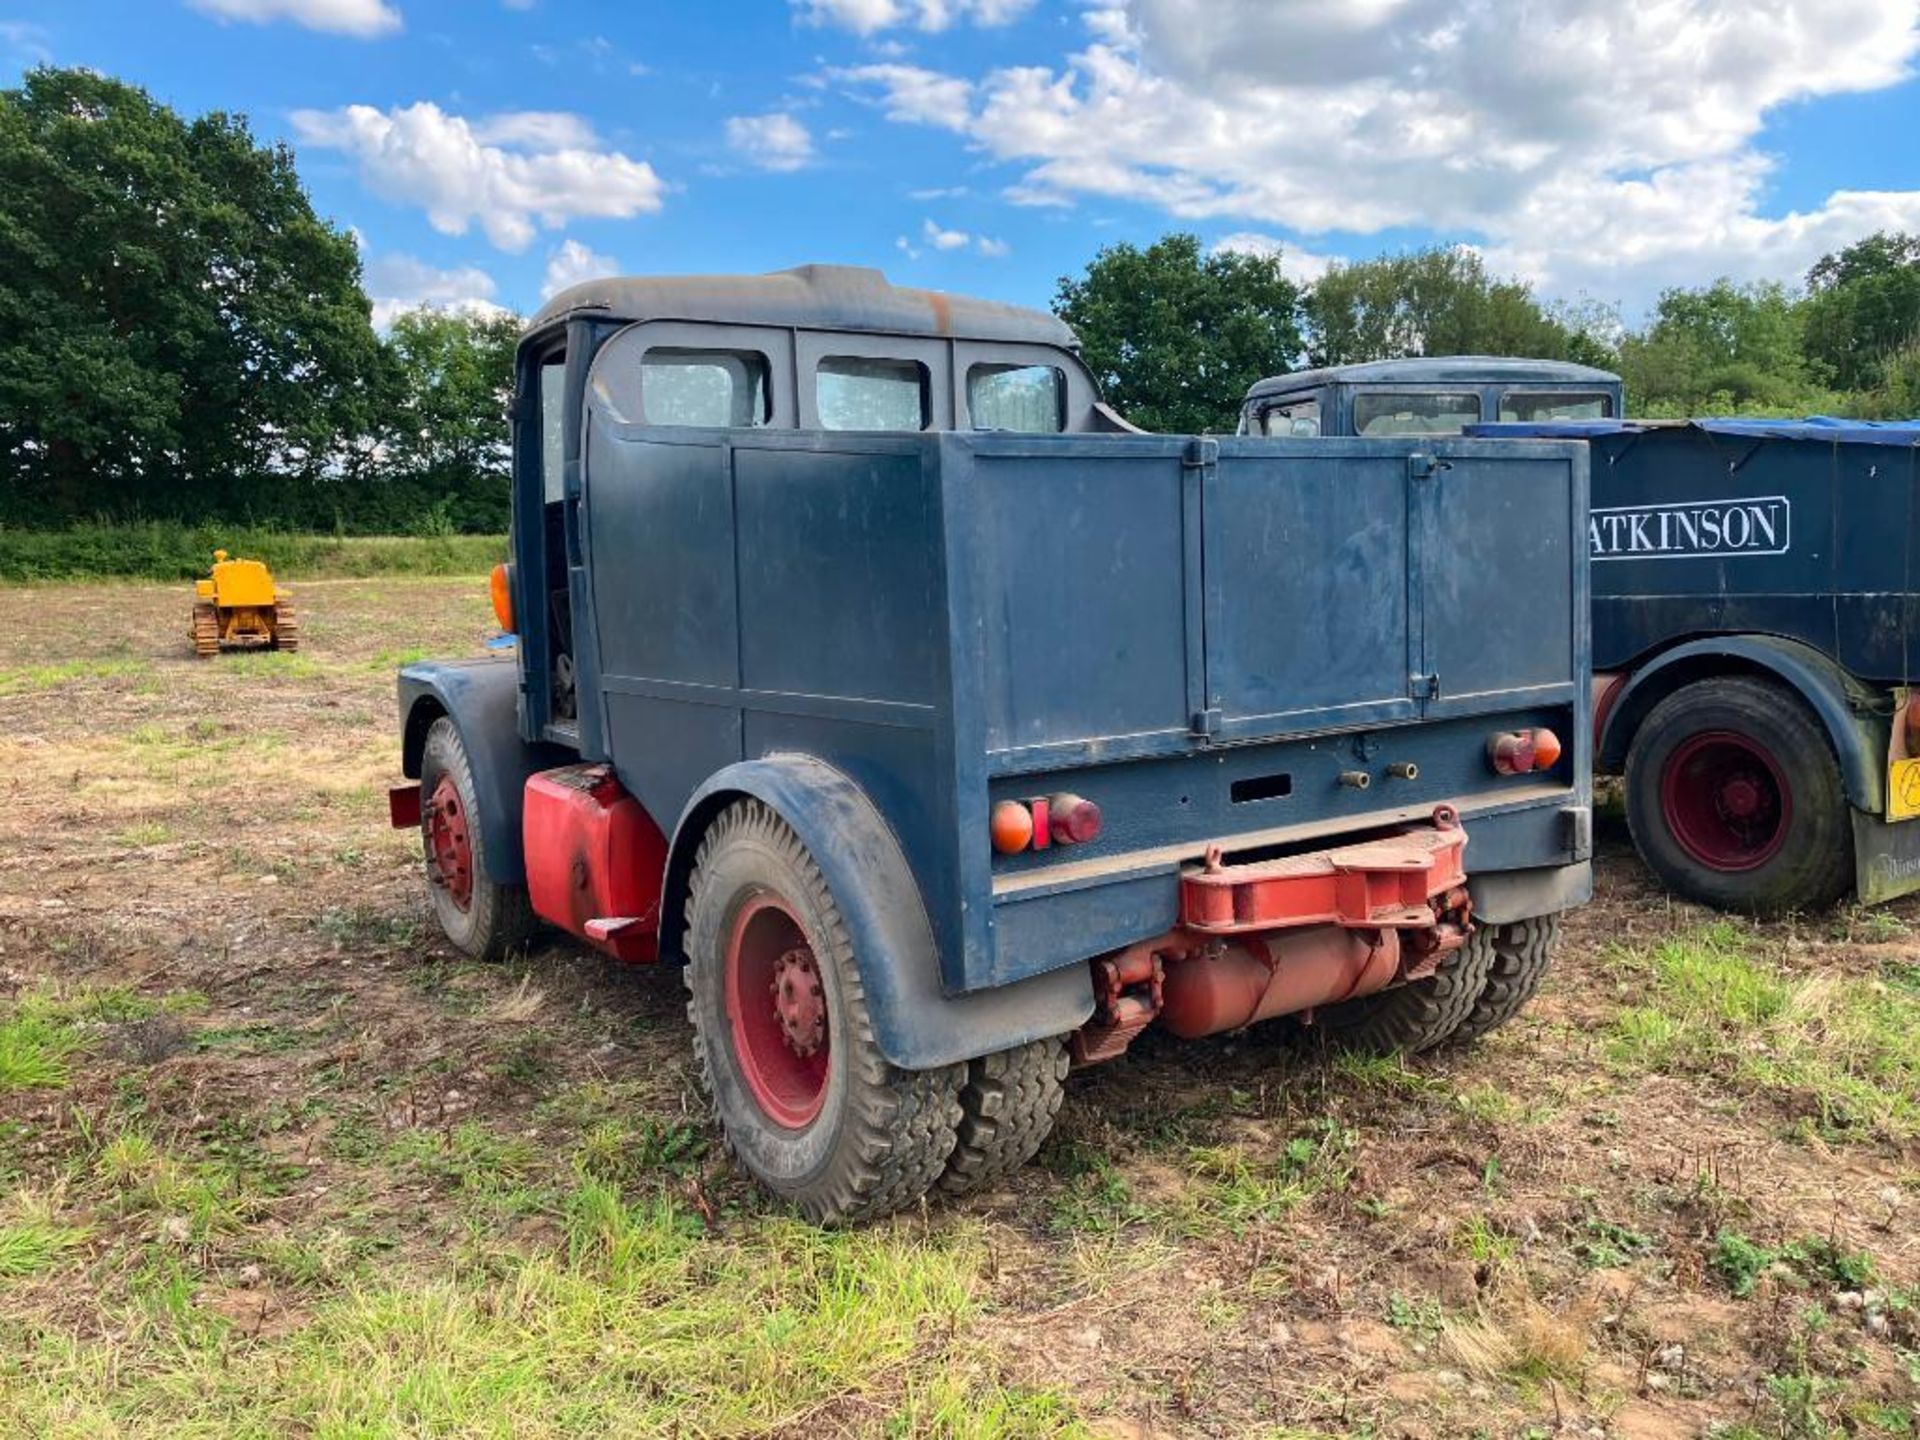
(484, 919)
(806, 1101)
(1734, 799)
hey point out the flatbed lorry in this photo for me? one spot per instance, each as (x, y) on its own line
(949, 732)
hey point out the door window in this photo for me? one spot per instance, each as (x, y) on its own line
(553, 410)
(1298, 418)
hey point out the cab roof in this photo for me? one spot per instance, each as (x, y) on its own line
(809, 297)
(1439, 370)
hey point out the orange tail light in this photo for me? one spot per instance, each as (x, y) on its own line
(501, 586)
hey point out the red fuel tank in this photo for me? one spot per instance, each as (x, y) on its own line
(595, 860)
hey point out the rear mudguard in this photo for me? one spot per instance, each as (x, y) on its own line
(917, 1024)
(1859, 737)
(481, 697)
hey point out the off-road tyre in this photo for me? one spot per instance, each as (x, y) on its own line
(1411, 1018)
(1812, 865)
(1522, 953)
(882, 1135)
(1007, 1109)
(498, 920)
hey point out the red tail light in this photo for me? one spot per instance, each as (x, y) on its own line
(1044, 821)
(1520, 752)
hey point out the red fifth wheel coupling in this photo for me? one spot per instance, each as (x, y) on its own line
(1279, 937)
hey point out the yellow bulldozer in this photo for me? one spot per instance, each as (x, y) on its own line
(238, 607)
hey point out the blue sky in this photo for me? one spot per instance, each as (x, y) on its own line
(485, 150)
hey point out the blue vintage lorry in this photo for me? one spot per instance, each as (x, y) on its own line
(948, 731)
(1754, 613)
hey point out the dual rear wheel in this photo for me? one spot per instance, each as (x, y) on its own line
(785, 1046)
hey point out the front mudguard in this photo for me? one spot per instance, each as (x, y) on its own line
(917, 1024)
(482, 699)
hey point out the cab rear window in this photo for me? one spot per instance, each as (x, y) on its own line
(718, 388)
(858, 392)
(1414, 413)
(1555, 405)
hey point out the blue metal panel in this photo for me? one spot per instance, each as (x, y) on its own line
(1309, 608)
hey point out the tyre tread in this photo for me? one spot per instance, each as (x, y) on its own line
(1008, 1106)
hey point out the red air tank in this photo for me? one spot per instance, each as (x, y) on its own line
(594, 857)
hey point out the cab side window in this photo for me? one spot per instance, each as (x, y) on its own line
(553, 395)
(1026, 399)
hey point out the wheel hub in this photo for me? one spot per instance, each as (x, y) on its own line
(798, 998)
(779, 1020)
(449, 845)
(1726, 800)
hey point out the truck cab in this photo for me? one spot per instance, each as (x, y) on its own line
(946, 731)
(1426, 397)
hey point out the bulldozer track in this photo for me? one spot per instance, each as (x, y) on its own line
(286, 627)
(206, 631)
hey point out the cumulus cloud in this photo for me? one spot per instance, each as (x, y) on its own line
(1593, 146)
(572, 263)
(399, 283)
(869, 17)
(773, 142)
(510, 174)
(1303, 267)
(937, 237)
(363, 18)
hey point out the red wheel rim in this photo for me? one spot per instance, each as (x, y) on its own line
(777, 1009)
(449, 847)
(1726, 800)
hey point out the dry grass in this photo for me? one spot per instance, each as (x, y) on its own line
(272, 1161)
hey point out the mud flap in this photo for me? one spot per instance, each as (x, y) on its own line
(1886, 857)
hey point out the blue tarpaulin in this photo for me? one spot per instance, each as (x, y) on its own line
(1831, 429)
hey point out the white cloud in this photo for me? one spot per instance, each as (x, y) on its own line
(572, 263)
(937, 237)
(773, 142)
(1592, 145)
(399, 283)
(1303, 267)
(511, 174)
(364, 18)
(869, 17)
(24, 43)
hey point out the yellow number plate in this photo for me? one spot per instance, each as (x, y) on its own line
(1903, 789)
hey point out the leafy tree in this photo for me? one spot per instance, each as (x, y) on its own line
(1439, 301)
(454, 383)
(1720, 347)
(1176, 336)
(1863, 308)
(175, 320)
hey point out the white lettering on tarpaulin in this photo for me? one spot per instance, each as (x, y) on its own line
(1692, 529)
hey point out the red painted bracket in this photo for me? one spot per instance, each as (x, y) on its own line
(403, 807)
(625, 937)
(1385, 882)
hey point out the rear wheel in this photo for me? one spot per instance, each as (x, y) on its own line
(1420, 1015)
(1007, 1110)
(1734, 799)
(807, 1103)
(484, 919)
(1522, 952)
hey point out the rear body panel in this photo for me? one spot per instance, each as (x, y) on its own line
(952, 619)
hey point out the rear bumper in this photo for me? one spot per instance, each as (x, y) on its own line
(1528, 853)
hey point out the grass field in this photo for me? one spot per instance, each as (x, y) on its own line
(273, 1162)
(160, 551)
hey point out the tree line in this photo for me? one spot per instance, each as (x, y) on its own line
(183, 338)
